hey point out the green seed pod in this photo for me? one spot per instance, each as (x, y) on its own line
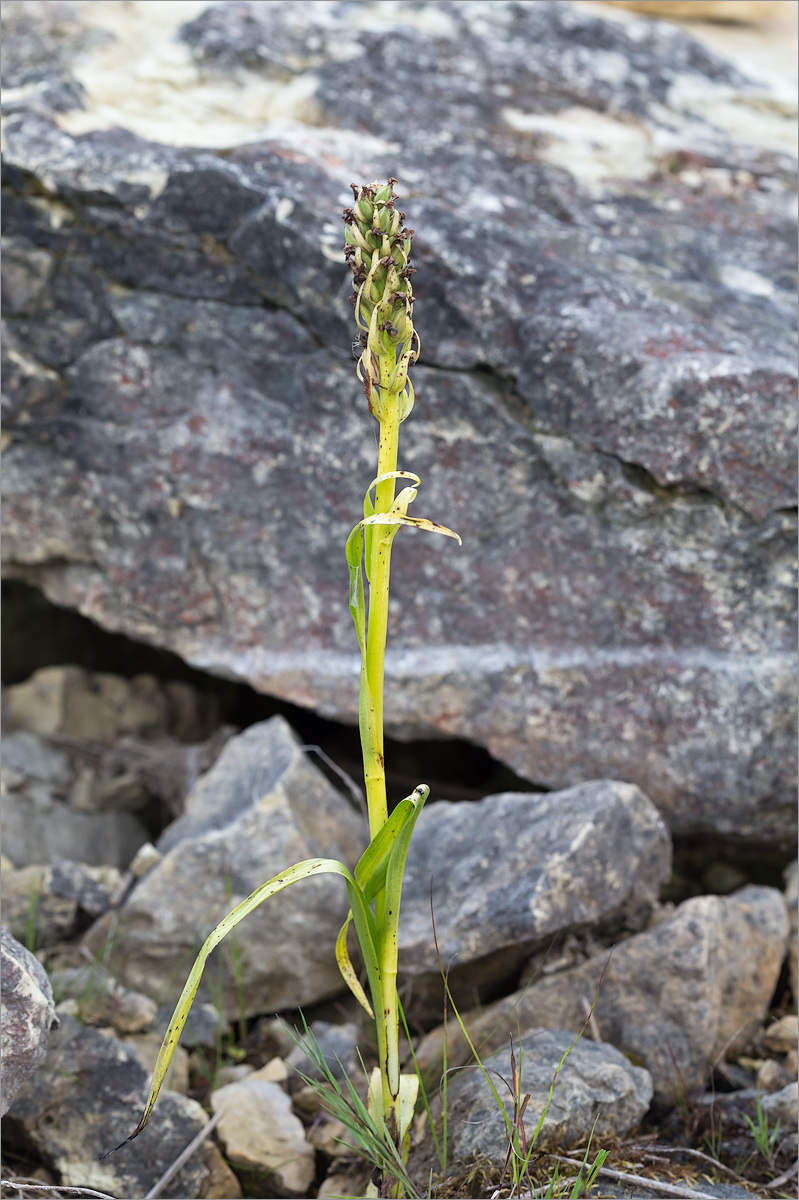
(385, 193)
(364, 210)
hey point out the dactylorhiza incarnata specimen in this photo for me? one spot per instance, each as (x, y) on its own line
(378, 250)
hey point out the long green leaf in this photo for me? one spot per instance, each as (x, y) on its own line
(370, 875)
(365, 928)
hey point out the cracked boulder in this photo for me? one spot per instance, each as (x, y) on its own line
(606, 271)
(724, 956)
(507, 874)
(86, 1098)
(28, 1013)
(261, 808)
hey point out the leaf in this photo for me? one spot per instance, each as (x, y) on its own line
(384, 477)
(369, 508)
(347, 970)
(370, 872)
(392, 518)
(354, 550)
(394, 873)
(367, 937)
(370, 875)
(406, 497)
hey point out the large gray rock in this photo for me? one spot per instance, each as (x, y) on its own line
(37, 827)
(674, 997)
(511, 871)
(605, 286)
(26, 1016)
(596, 1082)
(87, 1097)
(262, 807)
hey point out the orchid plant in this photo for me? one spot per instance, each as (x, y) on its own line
(378, 250)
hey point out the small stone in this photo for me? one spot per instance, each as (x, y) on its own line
(221, 1183)
(90, 887)
(272, 1038)
(328, 1135)
(782, 1106)
(28, 757)
(31, 911)
(205, 1026)
(234, 1073)
(103, 1001)
(512, 870)
(275, 1071)
(260, 1132)
(45, 1176)
(337, 1185)
(146, 857)
(783, 1035)
(91, 793)
(770, 1076)
(91, 705)
(307, 1100)
(750, 1064)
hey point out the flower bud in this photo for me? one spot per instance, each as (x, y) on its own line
(377, 249)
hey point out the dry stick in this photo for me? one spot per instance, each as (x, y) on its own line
(355, 791)
(186, 1154)
(718, 1166)
(785, 1177)
(654, 1185)
(35, 1186)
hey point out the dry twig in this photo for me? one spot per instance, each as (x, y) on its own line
(182, 1158)
(654, 1185)
(785, 1177)
(57, 1190)
(713, 1162)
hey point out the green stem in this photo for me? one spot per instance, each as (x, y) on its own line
(374, 765)
(377, 627)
